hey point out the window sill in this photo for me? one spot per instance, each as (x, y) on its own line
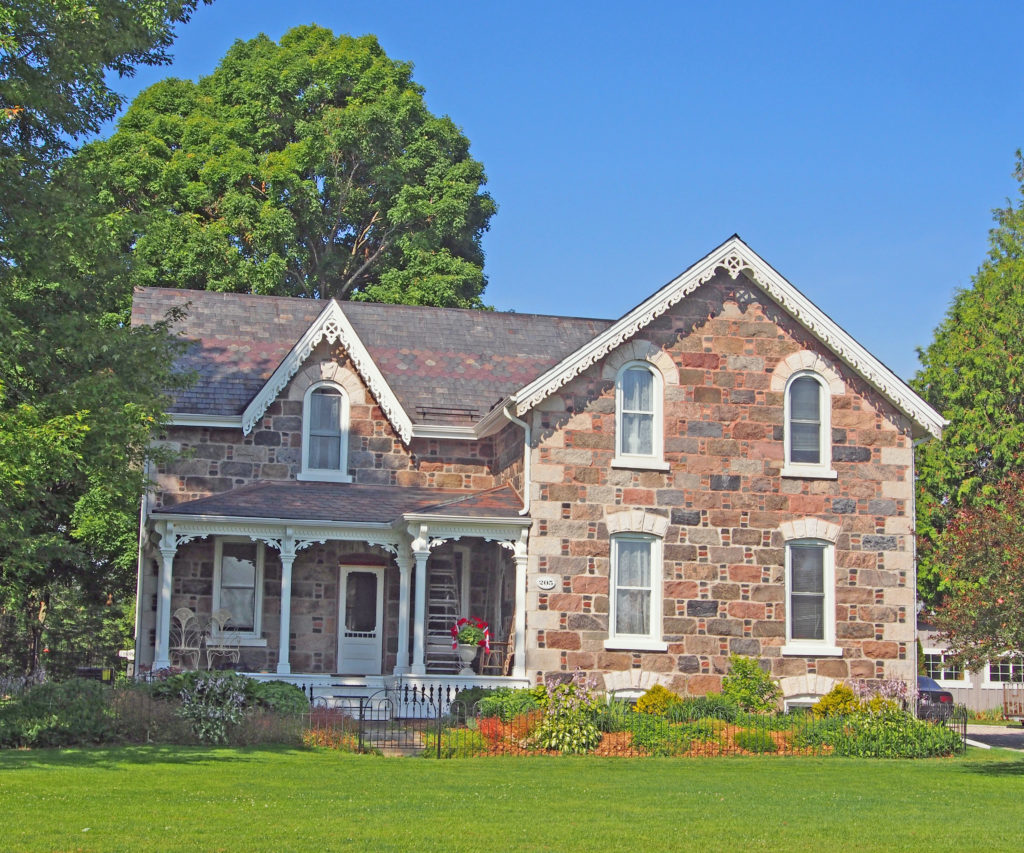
(809, 472)
(217, 640)
(642, 644)
(811, 650)
(324, 476)
(640, 463)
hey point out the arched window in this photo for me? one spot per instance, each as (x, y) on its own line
(638, 417)
(325, 433)
(808, 444)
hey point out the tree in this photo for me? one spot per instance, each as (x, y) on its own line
(982, 556)
(54, 58)
(973, 373)
(80, 390)
(306, 168)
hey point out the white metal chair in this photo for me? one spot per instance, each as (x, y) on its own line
(222, 640)
(186, 638)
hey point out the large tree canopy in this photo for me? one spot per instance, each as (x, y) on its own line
(79, 390)
(973, 372)
(55, 56)
(306, 168)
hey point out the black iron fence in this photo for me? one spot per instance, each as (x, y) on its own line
(387, 723)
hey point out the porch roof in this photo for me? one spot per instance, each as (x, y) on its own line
(354, 503)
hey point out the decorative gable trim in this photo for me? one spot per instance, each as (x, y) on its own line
(333, 326)
(734, 256)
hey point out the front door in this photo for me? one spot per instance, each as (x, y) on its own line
(360, 620)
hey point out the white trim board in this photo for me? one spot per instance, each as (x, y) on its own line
(334, 326)
(734, 256)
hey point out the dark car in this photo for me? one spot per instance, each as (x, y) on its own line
(933, 703)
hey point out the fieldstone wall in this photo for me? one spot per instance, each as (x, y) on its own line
(724, 499)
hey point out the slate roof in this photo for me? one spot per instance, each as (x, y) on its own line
(349, 502)
(432, 358)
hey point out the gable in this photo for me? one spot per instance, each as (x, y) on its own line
(734, 256)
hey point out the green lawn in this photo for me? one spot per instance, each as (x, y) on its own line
(166, 798)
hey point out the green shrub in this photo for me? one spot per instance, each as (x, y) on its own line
(570, 718)
(466, 702)
(455, 743)
(838, 702)
(894, 733)
(66, 713)
(171, 687)
(214, 705)
(657, 736)
(506, 703)
(615, 715)
(749, 686)
(755, 740)
(279, 696)
(714, 705)
(889, 732)
(657, 700)
(705, 729)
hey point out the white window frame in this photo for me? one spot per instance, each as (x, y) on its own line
(998, 685)
(826, 646)
(656, 459)
(823, 468)
(963, 681)
(255, 636)
(332, 475)
(651, 641)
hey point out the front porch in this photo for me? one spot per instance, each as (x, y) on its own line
(344, 607)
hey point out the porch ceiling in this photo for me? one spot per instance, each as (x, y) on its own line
(348, 502)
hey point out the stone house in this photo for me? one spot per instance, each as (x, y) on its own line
(722, 469)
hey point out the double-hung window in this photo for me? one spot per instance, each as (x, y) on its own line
(810, 599)
(238, 584)
(1006, 670)
(941, 667)
(808, 444)
(325, 434)
(635, 592)
(638, 417)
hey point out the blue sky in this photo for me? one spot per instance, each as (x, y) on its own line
(859, 148)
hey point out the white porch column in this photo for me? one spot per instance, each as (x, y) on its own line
(420, 551)
(284, 643)
(169, 547)
(404, 560)
(520, 557)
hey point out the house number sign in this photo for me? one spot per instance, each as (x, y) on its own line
(546, 582)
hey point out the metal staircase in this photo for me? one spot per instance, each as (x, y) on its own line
(443, 610)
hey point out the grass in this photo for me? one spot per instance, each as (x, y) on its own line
(166, 798)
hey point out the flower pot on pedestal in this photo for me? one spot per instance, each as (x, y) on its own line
(467, 652)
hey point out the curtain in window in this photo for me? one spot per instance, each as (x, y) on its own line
(805, 421)
(637, 415)
(325, 429)
(238, 584)
(633, 587)
(807, 592)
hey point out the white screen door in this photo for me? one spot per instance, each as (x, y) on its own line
(360, 619)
